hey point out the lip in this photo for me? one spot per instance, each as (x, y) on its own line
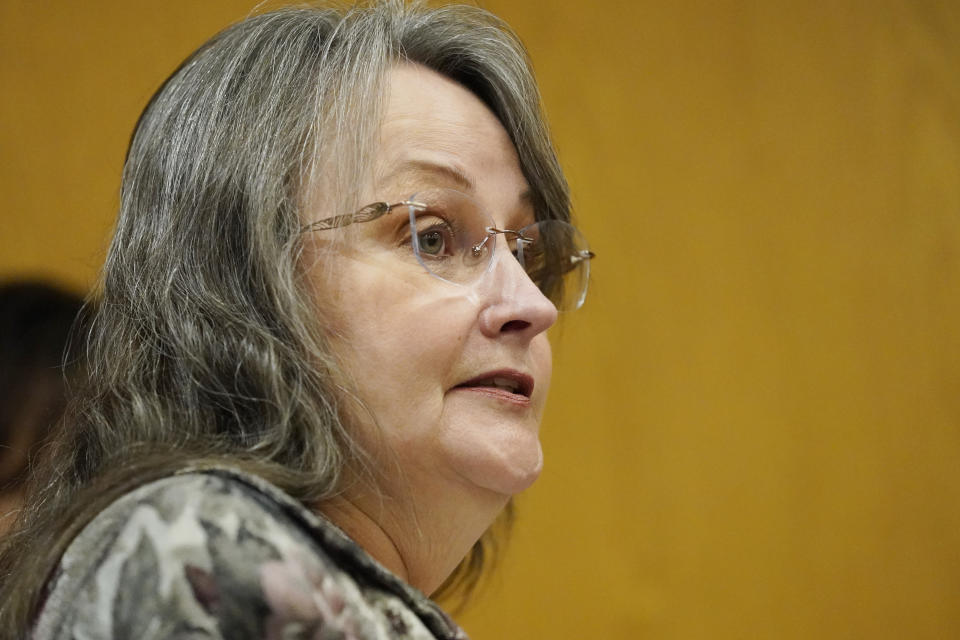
(523, 382)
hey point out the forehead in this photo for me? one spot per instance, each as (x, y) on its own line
(435, 132)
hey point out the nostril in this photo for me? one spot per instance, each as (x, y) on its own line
(515, 325)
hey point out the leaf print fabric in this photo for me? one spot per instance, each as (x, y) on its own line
(222, 554)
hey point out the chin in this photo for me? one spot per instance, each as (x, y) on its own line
(520, 478)
(506, 471)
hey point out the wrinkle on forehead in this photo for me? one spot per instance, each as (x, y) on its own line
(436, 132)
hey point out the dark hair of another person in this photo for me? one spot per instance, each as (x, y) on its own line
(36, 321)
(207, 346)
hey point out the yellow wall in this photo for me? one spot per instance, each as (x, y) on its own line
(755, 427)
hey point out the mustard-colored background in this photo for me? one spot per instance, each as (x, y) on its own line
(755, 421)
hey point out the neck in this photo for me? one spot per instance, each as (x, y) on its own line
(367, 533)
(420, 540)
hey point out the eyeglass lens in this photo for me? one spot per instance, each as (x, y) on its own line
(452, 240)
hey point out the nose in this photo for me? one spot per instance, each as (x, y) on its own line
(512, 304)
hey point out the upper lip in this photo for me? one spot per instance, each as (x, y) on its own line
(519, 382)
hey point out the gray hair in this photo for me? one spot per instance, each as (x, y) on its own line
(207, 345)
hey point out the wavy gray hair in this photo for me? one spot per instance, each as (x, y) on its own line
(207, 344)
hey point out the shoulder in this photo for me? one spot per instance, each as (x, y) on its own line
(206, 554)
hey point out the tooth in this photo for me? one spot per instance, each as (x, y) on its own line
(504, 383)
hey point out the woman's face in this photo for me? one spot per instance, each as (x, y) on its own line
(423, 354)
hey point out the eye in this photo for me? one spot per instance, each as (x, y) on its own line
(540, 259)
(431, 242)
(435, 238)
(535, 263)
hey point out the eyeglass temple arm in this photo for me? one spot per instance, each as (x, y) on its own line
(366, 214)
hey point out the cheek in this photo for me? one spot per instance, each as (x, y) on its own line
(542, 356)
(397, 343)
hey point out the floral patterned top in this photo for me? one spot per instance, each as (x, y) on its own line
(223, 554)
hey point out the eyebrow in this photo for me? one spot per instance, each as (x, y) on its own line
(415, 169)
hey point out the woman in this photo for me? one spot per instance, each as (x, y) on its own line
(320, 362)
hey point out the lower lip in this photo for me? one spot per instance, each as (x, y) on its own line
(498, 394)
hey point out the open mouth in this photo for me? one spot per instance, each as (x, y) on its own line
(512, 382)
